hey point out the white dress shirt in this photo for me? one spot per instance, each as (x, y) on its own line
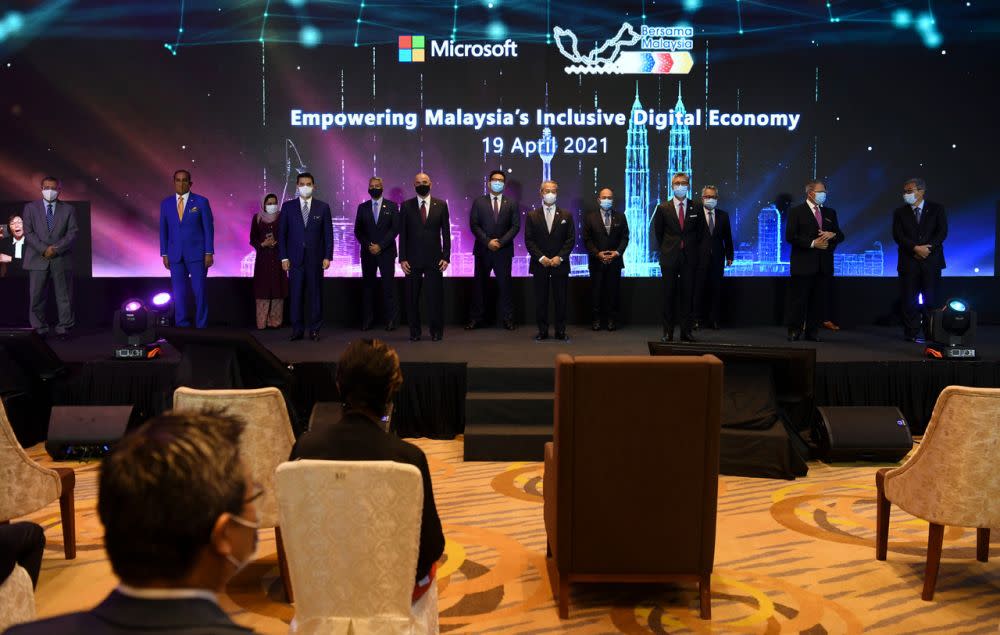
(18, 247)
(426, 200)
(814, 208)
(182, 197)
(167, 594)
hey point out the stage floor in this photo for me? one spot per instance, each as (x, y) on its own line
(497, 348)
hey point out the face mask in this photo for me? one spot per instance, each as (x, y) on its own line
(305, 191)
(820, 198)
(496, 186)
(606, 203)
(271, 209)
(422, 190)
(680, 191)
(256, 545)
(910, 198)
(50, 195)
(549, 198)
(709, 203)
(375, 192)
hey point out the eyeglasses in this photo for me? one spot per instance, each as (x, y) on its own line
(256, 491)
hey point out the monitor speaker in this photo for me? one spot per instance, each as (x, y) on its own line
(84, 432)
(862, 433)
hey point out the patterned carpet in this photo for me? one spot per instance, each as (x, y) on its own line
(791, 557)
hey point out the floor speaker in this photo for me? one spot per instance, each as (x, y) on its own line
(85, 432)
(862, 433)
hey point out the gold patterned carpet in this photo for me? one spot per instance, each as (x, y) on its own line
(791, 557)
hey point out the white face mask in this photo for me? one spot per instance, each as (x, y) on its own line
(50, 195)
(910, 198)
(271, 209)
(305, 191)
(709, 203)
(256, 544)
(549, 198)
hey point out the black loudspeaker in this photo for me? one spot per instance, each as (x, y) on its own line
(862, 433)
(86, 432)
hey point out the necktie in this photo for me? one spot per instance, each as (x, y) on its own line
(180, 208)
(607, 222)
(680, 214)
(916, 212)
(819, 217)
(305, 212)
(49, 217)
(711, 222)
(496, 209)
(549, 218)
(375, 207)
(423, 211)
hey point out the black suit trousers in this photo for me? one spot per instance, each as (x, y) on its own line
(708, 290)
(371, 266)
(678, 287)
(415, 282)
(305, 284)
(500, 264)
(556, 281)
(605, 291)
(21, 543)
(807, 301)
(912, 282)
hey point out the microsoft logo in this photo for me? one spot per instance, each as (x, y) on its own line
(411, 48)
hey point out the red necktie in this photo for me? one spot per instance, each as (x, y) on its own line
(496, 210)
(423, 212)
(680, 214)
(819, 217)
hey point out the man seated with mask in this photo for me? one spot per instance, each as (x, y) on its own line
(368, 378)
(177, 506)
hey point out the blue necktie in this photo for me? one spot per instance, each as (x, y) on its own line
(50, 217)
(305, 212)
(375, 210)
(917, 210)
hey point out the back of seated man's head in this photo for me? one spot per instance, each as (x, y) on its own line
(368, 377)
(176, 503)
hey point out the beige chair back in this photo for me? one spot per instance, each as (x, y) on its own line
(267, 440)
(27, 486)
(17, 599)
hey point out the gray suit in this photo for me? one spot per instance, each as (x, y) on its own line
(59, 268)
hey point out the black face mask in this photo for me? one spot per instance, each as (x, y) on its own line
(423, 190)
(375, 192)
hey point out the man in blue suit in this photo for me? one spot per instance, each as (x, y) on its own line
(495, 221)
(305, 244)
(187, 244)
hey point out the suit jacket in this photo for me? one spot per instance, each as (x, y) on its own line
(358, 438)
(120, 614)
(383, 234)
(718, 245)
(801, 229)
(597, 239)
(37, 236)
(308, 244)
(424, 244)
(668, 238)
(932, 230)
(16, 265)
(540, 242)
(485, 229)
(190, 239)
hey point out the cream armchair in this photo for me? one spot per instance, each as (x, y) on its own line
(17, 599)
(266, 443)
(951, 479)
(352, 529)
(28, 487)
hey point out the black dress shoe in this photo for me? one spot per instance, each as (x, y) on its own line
(391, 326)
(414, 338)
(561, 336)
(696, 326)
(314, 336)
(793, 335)
(295, 337)
(435, 337)
(367, 326)
(472, 325)
(668, 334)
(509, 325)
(65, 336)
(541, 336)
(612, 326)
(596, 325)
(687, 336)
(811, 337)
(715, 326)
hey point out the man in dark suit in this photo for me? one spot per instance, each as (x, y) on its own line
(920, 228)
(187, 246)
(305, 245)
(177, 506)
(716, 254)
(12, 248)
(495, 221)
(21, 544)
(424, 253)
(549, 235)
(678, 230)
(813, 231)
(376, 227)
(605, 235)
(49, 232)
(368, 377)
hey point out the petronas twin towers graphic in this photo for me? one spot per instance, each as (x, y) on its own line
(639, 259)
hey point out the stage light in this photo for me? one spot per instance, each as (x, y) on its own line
(134, 318)
(163, 309)
(952, 331)
(134, 333)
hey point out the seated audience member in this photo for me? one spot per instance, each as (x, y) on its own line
(21, 544)
(368, 377)
(179, 521)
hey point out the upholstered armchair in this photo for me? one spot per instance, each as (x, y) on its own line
(352, 531)
(17, 599)
(951, 479)
(631, 476)
(28, 487)
(266, 443)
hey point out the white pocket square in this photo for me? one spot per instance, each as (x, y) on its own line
(562, 222)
